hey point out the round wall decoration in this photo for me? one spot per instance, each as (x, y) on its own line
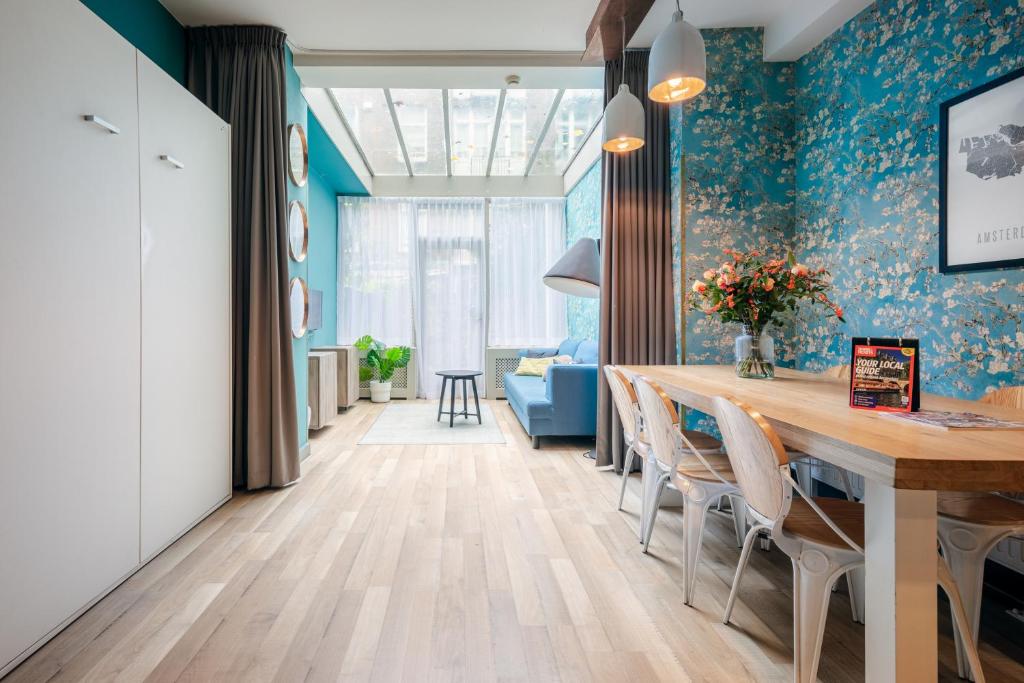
(298, 302)
(298, 231)
(298, 154)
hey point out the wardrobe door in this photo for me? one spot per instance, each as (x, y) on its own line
(186, 309)
(69, 301)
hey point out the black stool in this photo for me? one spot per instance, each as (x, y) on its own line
(455, 376)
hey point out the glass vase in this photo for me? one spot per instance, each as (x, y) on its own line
(755, 354)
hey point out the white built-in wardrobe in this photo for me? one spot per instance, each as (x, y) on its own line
(115, 319)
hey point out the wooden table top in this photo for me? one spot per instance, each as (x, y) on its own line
(811, 413)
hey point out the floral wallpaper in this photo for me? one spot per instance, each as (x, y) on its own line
(583, 219)
(867, 145)
(737, 138)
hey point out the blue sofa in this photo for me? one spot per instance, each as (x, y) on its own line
(566, 403)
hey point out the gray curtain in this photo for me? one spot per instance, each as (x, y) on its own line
(637, 311)
(238, 71)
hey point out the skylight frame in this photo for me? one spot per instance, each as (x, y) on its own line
(499, 112)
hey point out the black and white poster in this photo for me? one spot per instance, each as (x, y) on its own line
(981, 189)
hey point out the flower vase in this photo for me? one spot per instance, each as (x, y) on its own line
(755, 354)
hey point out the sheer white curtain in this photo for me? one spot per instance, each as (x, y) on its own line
(449, 299)
(375, 269)
(526, 238)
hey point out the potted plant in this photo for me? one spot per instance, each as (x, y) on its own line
(383, 362)
(752, 291)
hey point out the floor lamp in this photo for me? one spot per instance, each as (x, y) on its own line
(578, 273)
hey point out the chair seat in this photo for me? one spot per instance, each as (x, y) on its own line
(700, 440)
(805, 523)
(980, 508)
(692, 468)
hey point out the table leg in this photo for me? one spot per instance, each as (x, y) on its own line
(465, 402)
(476, 400)
(451, 415)
(440, 403)
(901, 640)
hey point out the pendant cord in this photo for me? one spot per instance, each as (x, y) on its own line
(622, 78)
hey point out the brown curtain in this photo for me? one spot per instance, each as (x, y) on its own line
(637, 312)
(238, 71)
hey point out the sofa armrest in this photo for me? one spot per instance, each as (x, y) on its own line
(572, 390)
(538, 352)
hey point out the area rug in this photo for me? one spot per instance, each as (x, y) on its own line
(417, 424)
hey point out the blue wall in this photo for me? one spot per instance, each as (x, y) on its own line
(836, 156)
(583, 219)
(149, 27)
(323, 253)
(867, 112)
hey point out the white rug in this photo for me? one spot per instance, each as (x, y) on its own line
(417, 424)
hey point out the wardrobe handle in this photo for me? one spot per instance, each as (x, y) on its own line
(171, 160)
(102, 123)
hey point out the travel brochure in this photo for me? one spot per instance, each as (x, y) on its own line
(884, 375)
(944, 420)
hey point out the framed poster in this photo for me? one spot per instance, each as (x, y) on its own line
(981, 177)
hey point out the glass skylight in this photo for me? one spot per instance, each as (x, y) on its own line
(369, 118)
(468, 132)
(577, 113)
(421, 119)
(471, 117)
(522, 123)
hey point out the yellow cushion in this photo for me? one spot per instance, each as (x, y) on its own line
(533, 366)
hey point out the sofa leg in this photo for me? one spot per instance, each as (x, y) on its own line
(536, 442)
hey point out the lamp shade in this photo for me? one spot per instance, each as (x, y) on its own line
(578, 272)
(623, 122)
(677, 68)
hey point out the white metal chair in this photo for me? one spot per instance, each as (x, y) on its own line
(701, 479)
(624, 397)
(824, 537)
(970, 525)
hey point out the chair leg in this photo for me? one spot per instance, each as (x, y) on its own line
(811, 593)
(803, 476)
(694, 514)
(626, 467)
(748, 544)
(652, 512)
(739, 518)
(967, 567)
(961, 622)
(847, 484)
(855, 585)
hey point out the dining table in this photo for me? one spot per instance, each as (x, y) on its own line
(904, 465)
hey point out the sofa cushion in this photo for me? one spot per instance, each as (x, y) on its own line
(529, 394)
(586, 353)
(568, 347)
(536, 367)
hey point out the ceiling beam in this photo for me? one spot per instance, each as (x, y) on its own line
(604, 35)
(447, 133)
(497, 129)
(398, 130)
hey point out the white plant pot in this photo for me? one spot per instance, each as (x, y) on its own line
(380, 392)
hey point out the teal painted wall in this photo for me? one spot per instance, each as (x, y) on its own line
(323, 252)
(297, 112)
(336, 172)
(149, 27)
(583, 219)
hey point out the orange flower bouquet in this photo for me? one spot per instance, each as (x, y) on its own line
(753, 291)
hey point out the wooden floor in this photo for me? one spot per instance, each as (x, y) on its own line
(423, 563)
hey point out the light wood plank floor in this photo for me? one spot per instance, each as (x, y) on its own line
(423, 563)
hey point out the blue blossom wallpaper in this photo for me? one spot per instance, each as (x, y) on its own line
(867, 163)
(583, 219)
(736, 141)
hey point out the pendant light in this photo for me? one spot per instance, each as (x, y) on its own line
(677, 69)
(624, 115)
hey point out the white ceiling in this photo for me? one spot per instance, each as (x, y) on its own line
(459, 24)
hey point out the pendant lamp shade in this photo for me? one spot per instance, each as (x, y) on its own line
(677, 69)
(623, 122)
(578, 272)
